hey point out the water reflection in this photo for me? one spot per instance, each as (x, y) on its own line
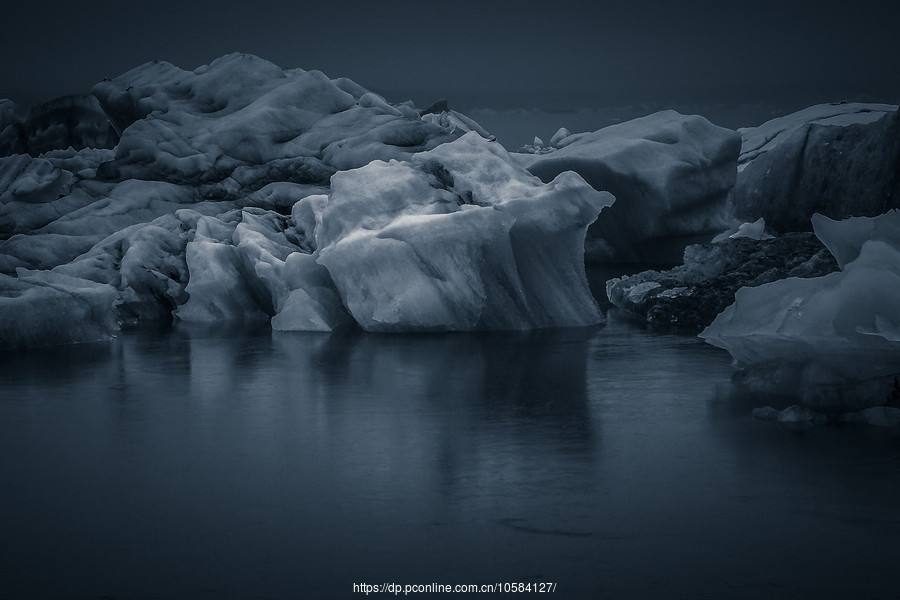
(234, 464)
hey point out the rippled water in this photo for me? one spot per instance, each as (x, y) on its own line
(614, 461)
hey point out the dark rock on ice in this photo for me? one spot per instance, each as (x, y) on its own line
(692, 294)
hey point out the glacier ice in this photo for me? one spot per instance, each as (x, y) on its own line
(459, 238)
(242, 191)
(218, 203)
(191, 214)
(670, 174)
(839, 160)
(834, 340)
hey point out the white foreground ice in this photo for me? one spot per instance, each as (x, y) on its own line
(459, 238)
(832, 340)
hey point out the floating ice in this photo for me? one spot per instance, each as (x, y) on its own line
(754, 231)
(834, 340)
(459, 238)
(670, 174)
(187, 216)
(839, 160)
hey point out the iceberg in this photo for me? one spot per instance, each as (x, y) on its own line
(191, 215)
(459, 238)
(833, 341)
(839, 160)
(670, 173)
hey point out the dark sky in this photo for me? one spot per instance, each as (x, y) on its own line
(533, 52)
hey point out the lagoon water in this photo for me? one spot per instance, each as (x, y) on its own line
(614, 461)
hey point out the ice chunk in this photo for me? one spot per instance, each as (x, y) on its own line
(145, 263)
(754, 231)
(558, 139)
(670, 174)
(459, 238)
(217, 290)
(844, 239)
(839, 160)
(831, 340)
(235, 265)
(456, 123)
(313, 303)
(44, 309)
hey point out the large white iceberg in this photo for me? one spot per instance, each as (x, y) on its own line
(834, 341)
(670, 174)
(839, 160)
(191, 214)
(459, 238)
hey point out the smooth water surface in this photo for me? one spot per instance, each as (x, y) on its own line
(614, 461)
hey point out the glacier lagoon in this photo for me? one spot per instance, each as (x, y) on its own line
(612, 460)
(616, 461)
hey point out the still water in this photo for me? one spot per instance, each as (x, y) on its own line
(614, 461)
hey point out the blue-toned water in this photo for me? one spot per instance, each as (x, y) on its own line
(614, 461)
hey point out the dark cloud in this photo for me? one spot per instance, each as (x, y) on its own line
(587, 52)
